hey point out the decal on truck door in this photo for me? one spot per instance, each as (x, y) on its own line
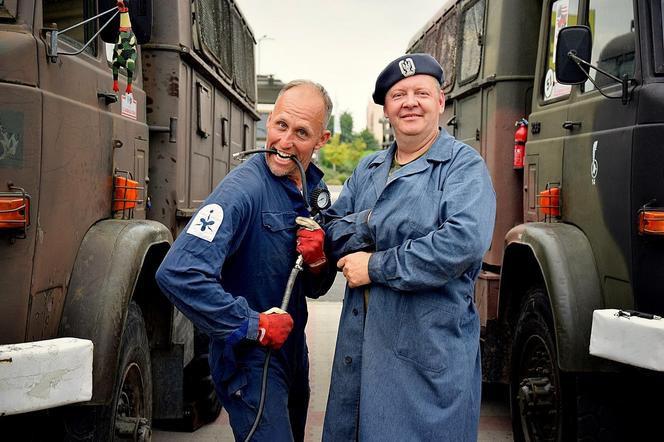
(594, 166)
(11, 139)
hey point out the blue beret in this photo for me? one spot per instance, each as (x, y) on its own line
(406, 66)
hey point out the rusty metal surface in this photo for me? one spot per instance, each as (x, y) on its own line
(211, 123)
(18, 61)
(20, 155)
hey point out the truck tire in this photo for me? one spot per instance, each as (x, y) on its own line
(535, 393)
(129, 415)
(550, 405)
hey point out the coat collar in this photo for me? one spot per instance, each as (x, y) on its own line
(440, 151)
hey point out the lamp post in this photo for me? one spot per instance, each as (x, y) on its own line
(258, 47)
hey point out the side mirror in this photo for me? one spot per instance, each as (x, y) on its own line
(573, 41)
(140, 13)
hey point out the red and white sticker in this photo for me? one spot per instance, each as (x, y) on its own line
(128, 106)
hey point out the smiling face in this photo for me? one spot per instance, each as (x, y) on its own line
(296, 126)
(413, 106)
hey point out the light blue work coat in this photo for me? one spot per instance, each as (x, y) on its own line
(410, 369)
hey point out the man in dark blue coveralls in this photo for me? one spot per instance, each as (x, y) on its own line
(234, 259)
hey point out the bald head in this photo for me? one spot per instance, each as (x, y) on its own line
(320, 90)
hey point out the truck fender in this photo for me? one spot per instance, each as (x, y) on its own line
(563, 256)
(107, 266)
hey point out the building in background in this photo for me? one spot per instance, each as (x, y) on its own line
(378, 124)
(268, 90)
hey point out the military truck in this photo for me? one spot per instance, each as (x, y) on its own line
(94, 186)
(579, 218)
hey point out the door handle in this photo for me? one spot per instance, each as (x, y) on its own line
(570, 125)
(109, 97)
(452, 122)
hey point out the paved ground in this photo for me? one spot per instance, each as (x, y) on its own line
(321, 337)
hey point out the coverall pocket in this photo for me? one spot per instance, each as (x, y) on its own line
(278, 221)
(237, 386)
(423, 329)
(240, 405)
(278, 244)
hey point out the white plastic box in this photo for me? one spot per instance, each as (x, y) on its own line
(44, 374)
(630, 340)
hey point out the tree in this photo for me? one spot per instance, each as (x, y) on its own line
(335, 153)
(346, 126)
(368, 137)
(339, 157)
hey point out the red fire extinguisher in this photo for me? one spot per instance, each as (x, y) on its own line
(520, 138)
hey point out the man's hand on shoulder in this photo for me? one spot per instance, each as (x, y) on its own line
(310, 242)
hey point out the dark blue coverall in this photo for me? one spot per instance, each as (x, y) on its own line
(232, 262)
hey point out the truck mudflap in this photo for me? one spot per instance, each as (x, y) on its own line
(564, 257)
(629, 337)
(44, 374)
(103, 280)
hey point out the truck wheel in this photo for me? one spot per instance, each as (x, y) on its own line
(535, 393)
(132, 404)
(550, 405)
(129, 415)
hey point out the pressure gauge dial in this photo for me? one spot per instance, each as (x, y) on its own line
(320, 199)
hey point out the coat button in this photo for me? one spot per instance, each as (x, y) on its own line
(355, 312)
(348, 360)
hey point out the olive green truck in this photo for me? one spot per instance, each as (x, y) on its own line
(573, 285)
(94, 186)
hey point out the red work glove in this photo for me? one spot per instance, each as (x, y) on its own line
(274, 327)
(310, 240)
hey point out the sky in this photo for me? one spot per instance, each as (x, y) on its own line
(342, 44)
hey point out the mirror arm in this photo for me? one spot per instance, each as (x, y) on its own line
(624, 82)
(53, 48)
(578, 61)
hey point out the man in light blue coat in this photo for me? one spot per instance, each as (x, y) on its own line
(409, 231)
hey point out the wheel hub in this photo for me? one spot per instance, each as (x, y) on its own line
(538, 393)
(535, 394)
(129, 421)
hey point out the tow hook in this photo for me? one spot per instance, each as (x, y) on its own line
(133, 428)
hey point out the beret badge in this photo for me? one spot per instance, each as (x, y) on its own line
(407, 67)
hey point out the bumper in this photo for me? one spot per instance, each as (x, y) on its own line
(630, 340)
(44, 374)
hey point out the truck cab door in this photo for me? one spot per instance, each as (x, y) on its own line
(544, 149)
(76, 156)
(598, 147)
